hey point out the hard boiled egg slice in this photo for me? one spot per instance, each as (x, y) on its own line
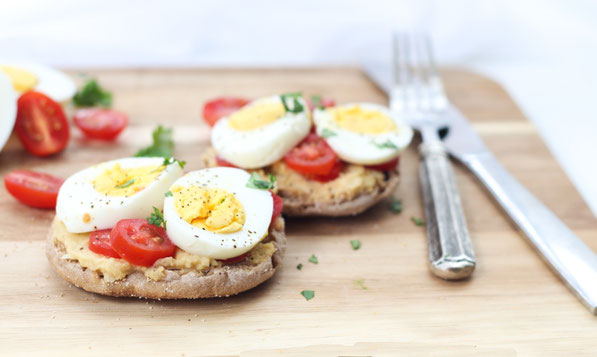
(101, 195)
(262, 132)
(362, 133)
(213, 213)
(8, 108)
(27, 76)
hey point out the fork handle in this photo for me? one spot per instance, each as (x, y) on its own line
(451, 253)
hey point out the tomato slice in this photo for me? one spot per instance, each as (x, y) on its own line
(99, 242)
(217, 108)
(140, 243)
(234, 259)
(332, 175)
(312, 156)
(323, 102)
(32, 188)
(386, 166)
(41, 124)
(100, 123)
(222, 162)
(278, 205)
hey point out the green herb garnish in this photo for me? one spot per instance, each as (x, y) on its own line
(162, 145)
(313, 259)
(168, 194)
(395, 205)
(386, 145)
(356, 244)
(255, 181)
(125, 184)
(417, 221)
(92, 94)
(316, 100)
(360, 283)
(297, 107)
(299, 266)
(157, 218)
(308, 294)
(326, 133)
(171, 160)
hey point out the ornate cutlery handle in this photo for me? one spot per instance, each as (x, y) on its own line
(451, 253)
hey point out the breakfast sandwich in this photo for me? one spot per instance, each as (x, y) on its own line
(139, 227)
(336, 161)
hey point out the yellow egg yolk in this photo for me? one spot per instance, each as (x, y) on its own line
(118, 181)
(215, 210)
(254, 116)
(21, 79)
(362, 121)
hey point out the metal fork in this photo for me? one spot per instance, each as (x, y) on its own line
(418, 97)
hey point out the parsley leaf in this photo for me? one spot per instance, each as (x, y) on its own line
(417, 221)
(386, 145)
(316, 100)
(326, 133)
(125, 184)
(299, 266)
(157, 218)
(162, 145)
(395, 205)
(356, 244)
(308, 294)
(92, 94)
(255, 181)
(297, 107)
(313, 259)
(171, 160)
(168, 194)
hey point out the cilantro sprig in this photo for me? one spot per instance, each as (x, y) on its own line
(126, 183)
(157, 218)
(386, 145)
(308, 294)
(326, 133)
(168, 194)
(162, 144)
(172, 160)
(356, 244)
(255, 181)
(313, 259)
(297, 107)
(92, 94)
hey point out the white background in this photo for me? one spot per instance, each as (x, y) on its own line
(543, 52)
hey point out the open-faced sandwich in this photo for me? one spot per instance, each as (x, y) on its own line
(220, 232)
(339, 163)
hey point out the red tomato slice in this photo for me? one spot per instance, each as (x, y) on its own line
(33, 188)
(234, 259)
(332, 175)
(311, 156)
(221, 107)
(222, 162)
(278, 205)
(386, 166)
(323, 102)
(99, 242)
(41, 124)
(140, 243)
(99, 123)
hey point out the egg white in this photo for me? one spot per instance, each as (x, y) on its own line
(52, 82)
(363, 149)
(257, 204)
(264, 145)
(78, 197)
(8, 108)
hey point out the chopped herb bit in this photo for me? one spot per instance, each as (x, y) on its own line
(125, 184)
(417, 221)
(308, 294)
(171, 160)
(168, 194)
(299, 266)
(223, 199)
(162, 145)
(326, 133)
(157, 218)
(255, 181)
(360, 283)
(297, 107)
(386, 145)
(316, 100)
(92, 94)
(313, 259)
(395, 205)
(356, 244)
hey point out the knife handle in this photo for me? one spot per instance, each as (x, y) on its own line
(451, 253)
(567, 255)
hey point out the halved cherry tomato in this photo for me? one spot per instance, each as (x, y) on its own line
(312, 156)
(140, 243)
(278, 205)
(222, 162)
(332, 175)
(99, 242)
(33, 188)
(41, 124)
(323, 102)
(100, 123)
(386, 166)
(221, 107)
(234, 259)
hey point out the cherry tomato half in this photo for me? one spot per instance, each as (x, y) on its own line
(32, 188)
(222, 162)
(278, 205)
(234, 259)
(99, 242)
(217, 108)
(41, 124)
(332, 175)
(140, 243)
(386, 166)
(100, 123)
(312, 156)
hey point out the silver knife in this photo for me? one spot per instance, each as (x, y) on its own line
(571, 259)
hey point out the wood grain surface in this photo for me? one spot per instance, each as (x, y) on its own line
(378, 299)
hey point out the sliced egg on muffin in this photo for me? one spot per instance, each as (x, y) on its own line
(212, 213)
(26, 76)
(263, 131)
(362, 133)
(100, 196)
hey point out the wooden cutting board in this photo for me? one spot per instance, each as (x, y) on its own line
(381, 297)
